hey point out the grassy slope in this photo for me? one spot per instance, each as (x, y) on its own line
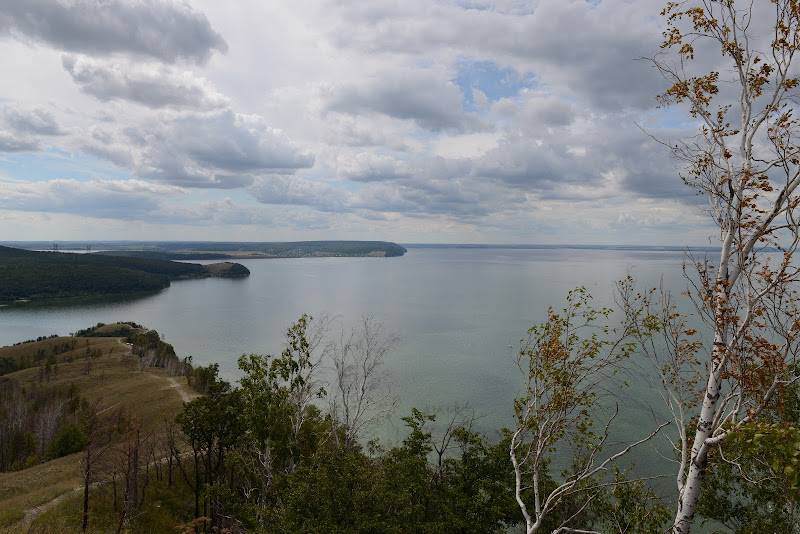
(148, 394)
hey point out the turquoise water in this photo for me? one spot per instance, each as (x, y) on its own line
(456, 312)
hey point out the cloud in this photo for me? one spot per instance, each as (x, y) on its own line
(499, 119)
(19, 128)
(479, 98)
(35, 121)
(367, 167)
(10, 142)
(161, 29)
(583, 48)
(379, 132)
(220, 150)
(295, 191)
(548, 112)
(152, 85)
(124, 199)
(425, 97)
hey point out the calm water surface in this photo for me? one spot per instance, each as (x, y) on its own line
(456, 312)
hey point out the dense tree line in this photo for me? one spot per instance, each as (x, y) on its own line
(119, 329)
(165, 255)
(37, 424)
(28, 274)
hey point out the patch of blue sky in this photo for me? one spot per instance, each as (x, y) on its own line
(493, 80)
(53, 164)
(477, 6)
(349, 186)
(427, 138)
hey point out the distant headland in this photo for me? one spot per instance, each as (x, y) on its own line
(210, 250)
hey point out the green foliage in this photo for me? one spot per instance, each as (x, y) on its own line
(119, 329)
(23, 449)
(563, 368)
(565, 362)
(236, 270)
(69, 439)
(629, 507)
(344, 490)
(41, 275)
(204, 378)
(8, 365)
(752, 484)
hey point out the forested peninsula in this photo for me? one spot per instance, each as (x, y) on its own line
(33, 275)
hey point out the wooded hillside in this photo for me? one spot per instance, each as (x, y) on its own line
(27, 274)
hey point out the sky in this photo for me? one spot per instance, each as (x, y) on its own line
(414, 121)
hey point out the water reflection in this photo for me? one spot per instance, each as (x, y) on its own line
(78, 303)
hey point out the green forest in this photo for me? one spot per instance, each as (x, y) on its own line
(33, 275)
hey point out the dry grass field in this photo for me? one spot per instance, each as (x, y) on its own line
(113, 380)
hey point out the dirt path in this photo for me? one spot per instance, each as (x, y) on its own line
(173, 383)
(185, 396)
(126, 345)
(33, 513)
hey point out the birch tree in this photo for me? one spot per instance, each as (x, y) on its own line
(745, 159)
(567, 362)
(361, 390)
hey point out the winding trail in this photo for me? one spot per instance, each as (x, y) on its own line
(32, 513)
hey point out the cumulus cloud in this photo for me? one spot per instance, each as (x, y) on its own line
(221, 150)
(576, 46)
(10, 142)
(367, 167)
(548, 112)
(118, 199)
(378, 132)
(292, 190)
(152, 85)
(20, 127)
(425, 97)
(35, 121)
(161, 29)
(419, 116)
(479, 98)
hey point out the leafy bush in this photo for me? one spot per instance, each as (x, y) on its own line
(69, 439)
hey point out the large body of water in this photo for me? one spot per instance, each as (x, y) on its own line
(459, 313)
